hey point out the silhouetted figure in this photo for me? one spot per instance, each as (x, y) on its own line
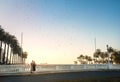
(33, 66)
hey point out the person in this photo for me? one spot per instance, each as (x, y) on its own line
(33, 66)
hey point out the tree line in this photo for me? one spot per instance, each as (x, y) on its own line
(100, 57)
(10, 49)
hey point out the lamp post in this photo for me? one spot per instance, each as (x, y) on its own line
(108, 57)
(21, 47)
(95, 43)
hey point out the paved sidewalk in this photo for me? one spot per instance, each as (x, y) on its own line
(61, 76)
(42, 72)
(34, 73)
(50, 72)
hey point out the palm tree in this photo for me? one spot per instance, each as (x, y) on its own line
(20, 53)
(81, 59)
(5, 43)
(115, 57)
(110, 49)
(12, 45)
(89, 59)
(2, 32)
(17, 50)
(97, 54)
(9, 43)
(10, 60)
(103, 55)
(86, 58)
(24, 55)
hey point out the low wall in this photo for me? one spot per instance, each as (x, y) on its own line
(52, 68)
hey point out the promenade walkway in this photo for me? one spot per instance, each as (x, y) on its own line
(78, 76)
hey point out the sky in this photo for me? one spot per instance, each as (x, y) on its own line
(58, 31)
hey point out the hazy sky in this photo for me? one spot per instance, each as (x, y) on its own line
(58, 31)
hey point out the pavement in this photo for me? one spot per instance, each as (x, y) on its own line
(34, 73)
(53, 72)
(59, 76)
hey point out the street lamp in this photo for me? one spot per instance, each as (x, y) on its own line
(21, 47)
(108, 57)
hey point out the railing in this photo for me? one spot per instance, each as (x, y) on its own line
(53, 68)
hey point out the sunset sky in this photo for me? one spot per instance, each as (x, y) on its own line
(58, 31)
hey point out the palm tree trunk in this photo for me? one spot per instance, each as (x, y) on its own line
(3, 58)
(0, 51)
(7, 54)
(10, 56)
(13, 59)
(16, 59)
